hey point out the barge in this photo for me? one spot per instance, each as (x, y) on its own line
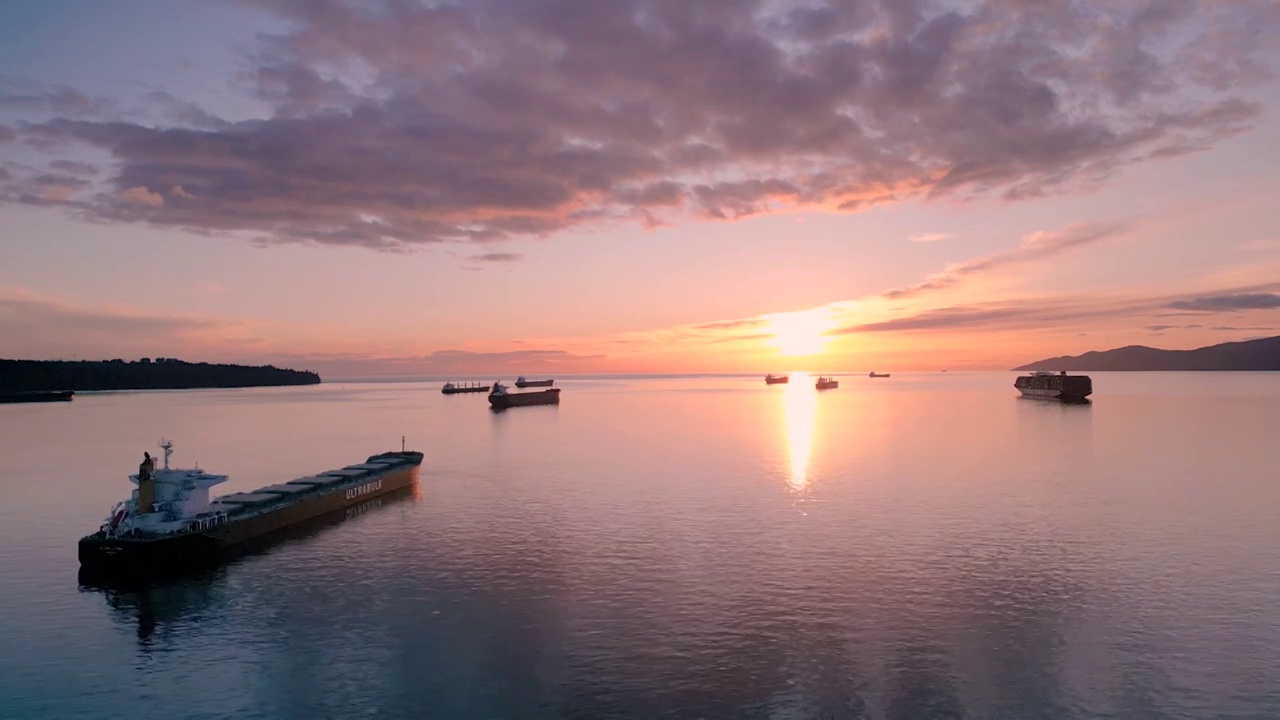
(1055, 386)
(500, 399)
(170, 521)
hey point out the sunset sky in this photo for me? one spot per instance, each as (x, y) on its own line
(531, 186)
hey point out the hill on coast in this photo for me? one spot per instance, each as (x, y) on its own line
(143, 374)
(1262, 354)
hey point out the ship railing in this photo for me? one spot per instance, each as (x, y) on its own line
(201, 524)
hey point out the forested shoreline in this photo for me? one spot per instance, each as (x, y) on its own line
(142, 374)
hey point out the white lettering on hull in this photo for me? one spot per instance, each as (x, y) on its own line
(365, 489)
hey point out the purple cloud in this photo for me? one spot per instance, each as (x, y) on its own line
(1036, 313)
(1229, 303)
(493, 119)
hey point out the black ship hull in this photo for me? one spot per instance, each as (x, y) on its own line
(541, 397)
(101, 555)
(534, 383)
(36, 396)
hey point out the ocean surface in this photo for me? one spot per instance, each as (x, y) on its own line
(923, 546)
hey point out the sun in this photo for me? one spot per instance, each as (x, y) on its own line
(800, 333)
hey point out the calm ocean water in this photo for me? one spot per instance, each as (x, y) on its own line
(923, 546)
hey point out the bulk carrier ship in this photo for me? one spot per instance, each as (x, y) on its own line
(169, 520)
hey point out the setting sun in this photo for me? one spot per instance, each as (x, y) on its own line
(800, 333)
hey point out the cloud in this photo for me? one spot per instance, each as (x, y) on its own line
(732, 324)
(73, 168)
(929, 237)
(1229, 303)
(7, 134)
(497, 257)
(38, 327)
(448, 362)
(513, 118)
(1036, 246)
(141, 196)
(59, 101)
(1031, 313)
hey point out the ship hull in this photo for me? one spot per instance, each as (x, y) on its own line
(544, 397)
(776, 381)
(102, 555)
(36, 396)
(1051, 394)
(534, 383)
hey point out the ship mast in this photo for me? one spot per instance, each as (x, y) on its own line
(167, 445)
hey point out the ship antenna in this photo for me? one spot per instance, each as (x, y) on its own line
(168, 450)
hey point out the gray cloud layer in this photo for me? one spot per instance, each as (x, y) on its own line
(1229, 303)
(488, 119)
(1033, 313)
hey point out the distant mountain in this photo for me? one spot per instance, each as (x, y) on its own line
(1263, 354)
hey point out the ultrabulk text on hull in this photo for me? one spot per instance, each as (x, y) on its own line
(169, 522)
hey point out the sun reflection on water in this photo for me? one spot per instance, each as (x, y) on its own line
(800, 410)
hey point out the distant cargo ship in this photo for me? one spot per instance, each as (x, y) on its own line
(25, 396)
(169, 521)
(500, 399)
(521, 382)
(826, 383)
(455, 388)
(876, 374)
(1055, 386)
(777, 379)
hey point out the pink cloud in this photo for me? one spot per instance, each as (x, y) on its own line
(492, 120)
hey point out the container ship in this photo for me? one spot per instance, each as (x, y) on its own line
(170, 522)
(1055, 386)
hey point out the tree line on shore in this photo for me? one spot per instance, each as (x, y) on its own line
(142, 374)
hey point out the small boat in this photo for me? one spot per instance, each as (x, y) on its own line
(500, 399)
(772, 379)
(826, 383)
(1055, 386)
(876, 374)
(455, 388)
(25, 396)
(521, 382)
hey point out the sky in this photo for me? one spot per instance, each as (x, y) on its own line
(538, 186)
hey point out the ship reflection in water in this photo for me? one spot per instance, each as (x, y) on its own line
(800, 413)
